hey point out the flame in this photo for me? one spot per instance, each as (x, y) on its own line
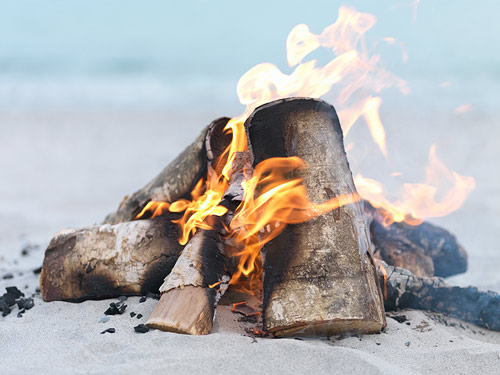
(419, 200)
(352, 80)
(270, 202)
(154, 208)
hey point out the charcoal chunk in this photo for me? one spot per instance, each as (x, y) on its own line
(139, 316)
(117, 308)
(132, 314)
(143, 299)
(8, 276)
(109, 330)
(4, 307)
(399, 318)
(14, 291)
(155, 296)
(141, 328)
(37, 271)
(25, 303)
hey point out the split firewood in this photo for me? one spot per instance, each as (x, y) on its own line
(425, 249)
(318, 275)
(175, 181)
(109, 260)
(201, 275)
(405, 290)
(187, 302)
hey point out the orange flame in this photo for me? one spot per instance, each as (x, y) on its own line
(419, 200)
(270, 202)
(352, 80)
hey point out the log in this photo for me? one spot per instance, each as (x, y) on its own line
(403, 290)
(187, 302)
(109, 260)
(201, 275)
(175, 181)
(425, 249)
(318, 276)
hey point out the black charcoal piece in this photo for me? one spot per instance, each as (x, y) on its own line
(14, 291)
(109, 330)
(141, 328)
(25, 303)
(139, 316)
(399, 318)
(37, 290)
(153, 296)
(8, 276)
(36, 271)
(132, 314)
(143, 299)
(4, 307)
(117, 308)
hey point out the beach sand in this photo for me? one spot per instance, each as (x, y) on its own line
(66, 169)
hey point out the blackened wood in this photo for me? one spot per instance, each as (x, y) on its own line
(318, 277)
(175, 181)
(403, 289)
(425, 249)
(187, 304)
(97, 262)
(199, 278)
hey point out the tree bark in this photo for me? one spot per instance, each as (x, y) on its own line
(318, 275)
(405, 290)
(175, 181)
(104, 261)
(425, 249)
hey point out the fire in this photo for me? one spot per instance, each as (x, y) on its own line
(352, 80)
(419, 201)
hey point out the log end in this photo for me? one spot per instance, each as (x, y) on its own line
(189, 310)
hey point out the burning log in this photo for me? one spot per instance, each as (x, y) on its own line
(318, 275)
(175, 181)
(187, 303)
(109, 260)
(200, 277)
(425, 249)
(403, 290)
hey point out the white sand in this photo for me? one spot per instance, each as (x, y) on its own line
(70, 169)
(61, 338)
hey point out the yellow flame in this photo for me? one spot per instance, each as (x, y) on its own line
(352, 80)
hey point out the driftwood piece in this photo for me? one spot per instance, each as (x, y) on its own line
(175, 181)
(425, 249)
(318, 275)
(109, 260)
(403, 289)
(187, 303)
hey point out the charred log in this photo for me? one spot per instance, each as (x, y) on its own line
(425, 249)
(199, 279)
(109, 260)
(318, 277)
(403, 290)
(188, 299)
(175, 181)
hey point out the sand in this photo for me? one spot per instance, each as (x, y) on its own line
(61, 338)
(66, 169)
